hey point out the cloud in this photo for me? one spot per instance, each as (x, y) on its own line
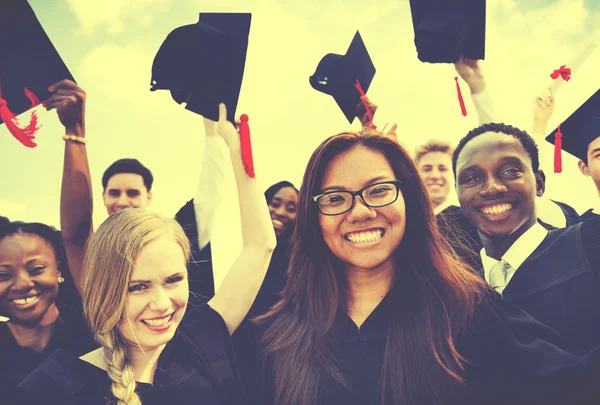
(114, 15)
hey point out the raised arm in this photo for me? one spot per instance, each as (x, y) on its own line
(471, 71)
(210, 187)
(76, 193)
(243, 280)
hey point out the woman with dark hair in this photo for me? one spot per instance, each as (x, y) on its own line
(38, 296)
(377, 310)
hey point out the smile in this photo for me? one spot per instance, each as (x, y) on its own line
(278, 223)
(364, 236)
(496, 209)
(27, 300)
(158, 322)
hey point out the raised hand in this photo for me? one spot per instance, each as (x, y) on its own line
(542, 109)
(471, 71)
(362, 113)
(226, 130)
(68, 99)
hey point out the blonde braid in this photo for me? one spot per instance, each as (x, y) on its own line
(121, 374)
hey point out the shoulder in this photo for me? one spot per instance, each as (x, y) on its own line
(205, 328)
(62, 378)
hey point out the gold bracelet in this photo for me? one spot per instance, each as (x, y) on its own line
(74, 138)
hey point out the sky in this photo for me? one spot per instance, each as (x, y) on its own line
(109, 47)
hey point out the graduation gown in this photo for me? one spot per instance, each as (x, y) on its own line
(512, 359)
(200, 270)
(559, 284)
(196, 367)
(589, 214)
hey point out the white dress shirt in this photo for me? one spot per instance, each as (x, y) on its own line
(210, 188)
(517, 253)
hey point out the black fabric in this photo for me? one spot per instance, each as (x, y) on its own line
(336, 75)
(512, 360)
(72, 334)
(203, 64)
(200, 270)
(581, 128)
(246, 338)
(589, 214)
(196, 367)
(559, 284)
(571, 215)
(445, 29)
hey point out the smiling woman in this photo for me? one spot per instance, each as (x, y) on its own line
(377, 310)
(44, 311)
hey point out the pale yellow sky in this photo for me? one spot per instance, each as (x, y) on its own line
(109, 47)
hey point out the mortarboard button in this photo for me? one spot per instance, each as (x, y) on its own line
(580, 129)
(29, 63)
(337, 75)
(203, 64)
(445, 30)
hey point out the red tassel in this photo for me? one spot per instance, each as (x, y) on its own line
(35, 101)
(363, 95)
(463, 109)
(246, 146)
(23, 135)
(557, 151)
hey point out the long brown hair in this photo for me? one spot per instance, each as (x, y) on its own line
(436, 297)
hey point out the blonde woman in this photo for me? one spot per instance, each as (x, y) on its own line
(135, 294)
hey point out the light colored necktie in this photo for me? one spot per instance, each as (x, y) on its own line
(498, 276)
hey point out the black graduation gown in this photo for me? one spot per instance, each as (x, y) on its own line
(512, 359)
(200, 271)
(589, 214)
(16, 362)
(559, 284)
(197, 367)
(571, 215)
(246, 339)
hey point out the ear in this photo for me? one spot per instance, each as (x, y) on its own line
(540, 183)
(149, 197)
(584, 169)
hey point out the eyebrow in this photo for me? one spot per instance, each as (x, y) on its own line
(595, 150)
(506, 159)
(150, 281)
(338, 188)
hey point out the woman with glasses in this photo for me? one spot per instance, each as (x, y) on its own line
(377, 311)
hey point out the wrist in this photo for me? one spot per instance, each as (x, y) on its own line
(477, 85)
(75, 130)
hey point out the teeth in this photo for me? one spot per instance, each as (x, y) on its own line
(277, 222)
(158, 322)
(27, 300)
(496, 209)
(362, 237)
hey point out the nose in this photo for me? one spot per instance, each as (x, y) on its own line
(492, 188)
(434, 174)
(360, 212)
(123, 200)
(280, 211)
(23, 283)
(161, 300)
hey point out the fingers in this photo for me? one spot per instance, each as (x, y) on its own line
(64, 84)
(222, 112)
(60, 101)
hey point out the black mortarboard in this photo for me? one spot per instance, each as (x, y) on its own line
(581, 128)
(336, 75)
(28, 60)
(203, 64)
(445, 30)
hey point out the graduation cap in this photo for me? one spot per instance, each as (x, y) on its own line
(445, 30)
(202, 64)
(337, 75)
(29, 64)
(578, 131)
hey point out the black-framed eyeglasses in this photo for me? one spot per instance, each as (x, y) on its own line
(375, 196)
